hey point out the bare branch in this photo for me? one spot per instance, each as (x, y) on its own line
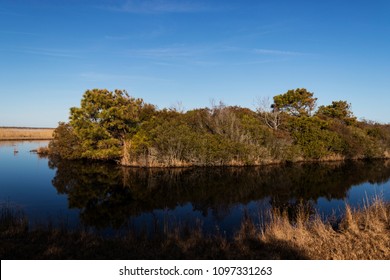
(269, 113)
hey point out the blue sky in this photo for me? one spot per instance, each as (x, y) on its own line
(189, 51)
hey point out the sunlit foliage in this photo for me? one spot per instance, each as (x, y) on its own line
(298, 102)
(114, 126)
(104, 120)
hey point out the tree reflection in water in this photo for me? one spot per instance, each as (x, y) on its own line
(108, 195)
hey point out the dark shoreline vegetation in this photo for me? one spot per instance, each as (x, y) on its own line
(361, 234)
(112, 126)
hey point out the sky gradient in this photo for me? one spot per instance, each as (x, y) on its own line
(191, 52)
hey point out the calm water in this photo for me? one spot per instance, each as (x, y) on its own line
(108, 198)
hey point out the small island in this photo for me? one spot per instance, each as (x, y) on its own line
(113, 126)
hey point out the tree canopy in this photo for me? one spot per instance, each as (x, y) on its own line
(298, 102)
(111, 125)
(104, 119)
(340, 110)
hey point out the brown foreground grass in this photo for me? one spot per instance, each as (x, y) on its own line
(16, 133)
(361, 234)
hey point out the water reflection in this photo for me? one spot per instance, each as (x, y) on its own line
(108, 195)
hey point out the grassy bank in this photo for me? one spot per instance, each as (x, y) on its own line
(361, 234)
(19, 133)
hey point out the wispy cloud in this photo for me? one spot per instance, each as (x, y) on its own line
(96, 76)
(116, 37)
(208, 55)
(159, 6)
(49, 52)
(18, 33)
(155, 32)
(276, 52)
(164, 53)
(257, 62)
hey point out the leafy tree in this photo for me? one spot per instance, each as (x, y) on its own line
(340, 110)
(298, 102)
(105, 119)
(65, 143)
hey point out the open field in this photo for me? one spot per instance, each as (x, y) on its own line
(25, 133)
(361, 234)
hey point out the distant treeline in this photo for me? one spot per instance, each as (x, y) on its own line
(111, 125)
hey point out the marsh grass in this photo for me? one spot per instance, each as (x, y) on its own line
(11, 133)
(361, 234)
(12, 220)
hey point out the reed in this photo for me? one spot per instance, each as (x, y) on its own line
(14, 133)
(362, 233)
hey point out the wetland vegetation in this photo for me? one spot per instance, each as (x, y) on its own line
(114, 126)
(25, 133)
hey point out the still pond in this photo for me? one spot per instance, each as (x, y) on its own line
(110, 199)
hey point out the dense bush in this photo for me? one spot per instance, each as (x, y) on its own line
(314, 138)
(65, 143)
(114, 126)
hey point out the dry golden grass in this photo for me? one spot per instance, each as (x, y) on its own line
(8, 133)
(362, 234)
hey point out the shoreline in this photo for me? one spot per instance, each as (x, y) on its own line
(119, 162)
(162, 166)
